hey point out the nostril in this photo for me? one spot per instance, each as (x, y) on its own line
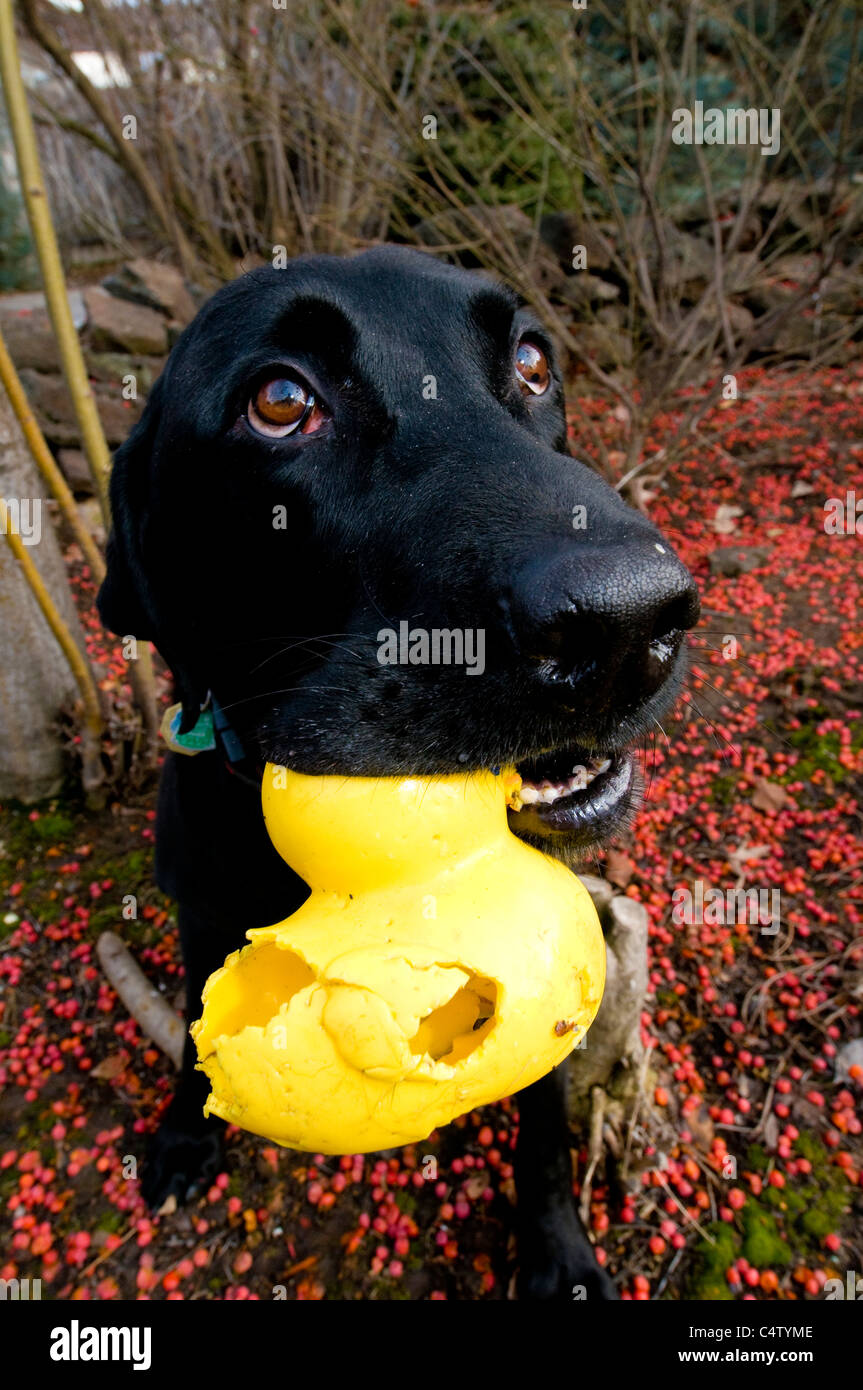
(677, 616)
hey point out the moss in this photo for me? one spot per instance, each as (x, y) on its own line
(763, 1244)
(820, 752)
(756, 1158)
(725, 791)
(53, 828)
(707, 1279)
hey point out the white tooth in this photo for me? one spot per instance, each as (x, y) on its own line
(550, 794)
(604, 765)
(529, 795)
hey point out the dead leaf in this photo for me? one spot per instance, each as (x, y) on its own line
(476, 1186)
(619, 868)
(111, 1067)
(700, 1126)
(724, 522)
(771, 1132)
(745, 854)
(770, 796)
(801, 489)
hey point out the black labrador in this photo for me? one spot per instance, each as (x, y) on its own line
(336, 452)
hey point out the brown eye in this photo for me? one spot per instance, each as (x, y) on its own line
(531, 364)
(282, 406)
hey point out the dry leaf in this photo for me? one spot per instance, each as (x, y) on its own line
(769, 796)
(745, 854)
(111, 1067)
(724, 522)
(619, 868)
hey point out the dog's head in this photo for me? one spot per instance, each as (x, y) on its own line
(349, 512)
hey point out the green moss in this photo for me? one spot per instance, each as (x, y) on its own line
(725, 791)
(707, 1279)
(820, 752)
(53, 828)
(763, 1244)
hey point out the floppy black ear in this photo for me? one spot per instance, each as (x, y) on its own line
(127, 600)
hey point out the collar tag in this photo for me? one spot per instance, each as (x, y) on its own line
(201, 738)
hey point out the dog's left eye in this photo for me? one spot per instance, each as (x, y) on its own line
(531, 365)
(283, 405)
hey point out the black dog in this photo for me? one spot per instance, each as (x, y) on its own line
(335, 449)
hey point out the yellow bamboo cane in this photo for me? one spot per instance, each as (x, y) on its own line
(92, 773)
(46, 462)
(74, 369)
(39, 217)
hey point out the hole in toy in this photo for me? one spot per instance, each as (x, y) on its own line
(457, 1028)
(264, 980)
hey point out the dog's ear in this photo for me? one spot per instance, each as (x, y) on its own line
(127, 599)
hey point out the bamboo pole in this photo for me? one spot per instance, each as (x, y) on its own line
(74, 369)
(46, 462)
(91, 735)
(44, 238)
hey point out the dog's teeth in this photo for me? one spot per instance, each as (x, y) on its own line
(604, 765)
(529, 795)
(550, 794)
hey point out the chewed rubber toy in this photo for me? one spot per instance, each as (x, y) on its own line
(438, 964)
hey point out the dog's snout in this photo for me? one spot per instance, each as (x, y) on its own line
(607, 621)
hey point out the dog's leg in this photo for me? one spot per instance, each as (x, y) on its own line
(186, 1151)
(556, 1259)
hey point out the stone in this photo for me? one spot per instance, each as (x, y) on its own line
(601, 892)
(613, 1049)
(90, 513)
(36, 683)
(29, 338)
(118, 323)
(76, 471)
(29, 300)
(52, 405)
(114, 366)
(849, 1055)
(731, 560)
(156, 286)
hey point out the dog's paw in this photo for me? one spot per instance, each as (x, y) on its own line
(557, 1264)
(180, 1165)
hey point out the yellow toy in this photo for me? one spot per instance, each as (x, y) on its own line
(439, 964)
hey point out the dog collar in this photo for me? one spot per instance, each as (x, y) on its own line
(212, 727)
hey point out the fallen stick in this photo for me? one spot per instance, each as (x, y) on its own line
(146, 1005)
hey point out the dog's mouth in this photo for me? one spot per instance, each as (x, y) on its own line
(574, 793)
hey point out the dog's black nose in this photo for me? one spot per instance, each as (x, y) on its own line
(604, 621)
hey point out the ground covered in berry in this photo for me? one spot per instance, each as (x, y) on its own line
(745, 1164)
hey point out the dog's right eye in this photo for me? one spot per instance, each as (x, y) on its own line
(281, 406)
